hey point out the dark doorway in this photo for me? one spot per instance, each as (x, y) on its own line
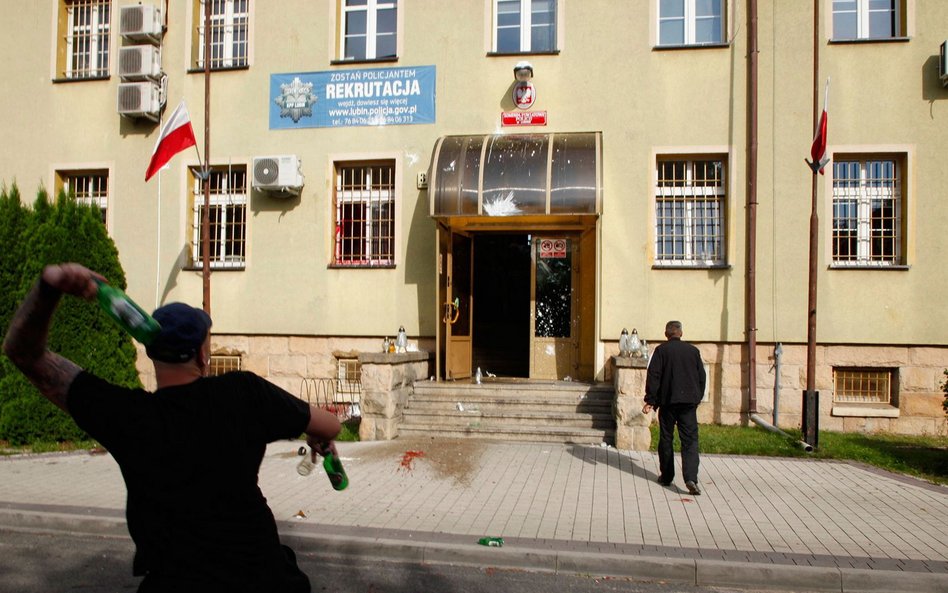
(501, 337)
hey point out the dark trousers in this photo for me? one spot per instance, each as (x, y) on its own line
(686, 418)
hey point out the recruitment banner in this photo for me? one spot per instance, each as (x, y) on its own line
(344, 98)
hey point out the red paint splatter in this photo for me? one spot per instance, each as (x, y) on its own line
(408, 457)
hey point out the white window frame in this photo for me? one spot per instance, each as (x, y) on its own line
(98, 33)
(691, 194)
(229, 21)
(97, 196)
(690, 19)
(864, 194)
(525, 26)
(372, 199)
(863, 12)
(371, 8)
(228, 201)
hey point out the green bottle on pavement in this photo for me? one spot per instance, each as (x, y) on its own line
(127, 314)
(493, 542)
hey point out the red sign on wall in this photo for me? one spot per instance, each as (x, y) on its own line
(523, 118)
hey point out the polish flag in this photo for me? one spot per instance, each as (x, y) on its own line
(818, 149)
(176, 135)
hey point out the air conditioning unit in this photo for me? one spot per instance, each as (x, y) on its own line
(277, 174)
(139, 99)
(943, 63)
(140, 62)
(141, 22)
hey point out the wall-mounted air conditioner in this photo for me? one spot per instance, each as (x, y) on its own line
(943, 63)
(140, 22)
(140, 62)
(139, 99)
(277, 174)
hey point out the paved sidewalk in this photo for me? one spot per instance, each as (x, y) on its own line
(799, 525)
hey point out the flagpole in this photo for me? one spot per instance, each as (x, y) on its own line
(811, 397)
(205, 214)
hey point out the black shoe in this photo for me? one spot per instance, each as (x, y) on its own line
(693, 488)
(663, 482)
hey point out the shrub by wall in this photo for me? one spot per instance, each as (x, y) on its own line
(31, 238)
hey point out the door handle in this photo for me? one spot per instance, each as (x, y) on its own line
(452, 309)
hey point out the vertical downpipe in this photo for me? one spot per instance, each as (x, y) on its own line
(753, 52)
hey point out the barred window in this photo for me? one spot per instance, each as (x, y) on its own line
(365, 214)
(349, 377)
(88, 187)
(85, 42)
(524, 26)
(369, 29)
(868, 386)
(867, 212)
(227, 217)
(230, 33)
(221, 364)
(690, 199)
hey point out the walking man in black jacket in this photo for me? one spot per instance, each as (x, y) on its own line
(675, 385)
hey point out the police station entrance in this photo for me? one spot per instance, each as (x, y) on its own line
(516, 255)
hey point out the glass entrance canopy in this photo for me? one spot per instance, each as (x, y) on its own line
(516, 174)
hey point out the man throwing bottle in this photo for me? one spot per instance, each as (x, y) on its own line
(675, 385)
(189, 452)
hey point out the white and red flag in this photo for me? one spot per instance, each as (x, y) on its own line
(818, 149)
(176, 135)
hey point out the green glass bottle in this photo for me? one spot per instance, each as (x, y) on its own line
(493, 542)
(337, 475)
(127, 314)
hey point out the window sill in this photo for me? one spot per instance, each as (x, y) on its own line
(361, 267)
(86, 79)
(213, 268)
(896, 268)
(849, 410)
(691, 46)
(224, 69)
(694, 266)
(872, 40)
(504, 54)
(391, 59)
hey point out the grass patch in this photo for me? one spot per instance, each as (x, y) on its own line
(48, 447)
(350, 431)
(923, 457)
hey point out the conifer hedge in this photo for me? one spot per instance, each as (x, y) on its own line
(31, 238)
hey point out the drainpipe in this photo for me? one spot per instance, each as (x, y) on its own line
(778, 352)
(752, 207)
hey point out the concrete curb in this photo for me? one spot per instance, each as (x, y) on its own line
(305, 539)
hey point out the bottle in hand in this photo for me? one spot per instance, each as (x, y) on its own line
(127, 314)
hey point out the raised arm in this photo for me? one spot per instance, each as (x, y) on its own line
(27, 336)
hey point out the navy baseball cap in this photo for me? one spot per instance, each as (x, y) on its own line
(183, 331)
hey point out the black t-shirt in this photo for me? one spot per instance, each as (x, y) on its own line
(190, 456)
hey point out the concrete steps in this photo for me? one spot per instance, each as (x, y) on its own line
(512, 410)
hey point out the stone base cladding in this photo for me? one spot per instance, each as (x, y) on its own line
(916, 407)
(287, 361)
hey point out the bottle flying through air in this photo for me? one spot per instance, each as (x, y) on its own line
(126, 313)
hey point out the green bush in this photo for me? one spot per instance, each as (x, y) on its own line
(30, 239)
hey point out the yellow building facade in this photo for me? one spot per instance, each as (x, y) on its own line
(515, 182)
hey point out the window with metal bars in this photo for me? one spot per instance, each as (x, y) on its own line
(88, 187)
(867, 212)
(524, 26)
(690, 200)
(349, 376)
(227, 217)
(364, 197)
(221, 364)
(86, 30)
(230, 33)
(864, 386)
(369, 29)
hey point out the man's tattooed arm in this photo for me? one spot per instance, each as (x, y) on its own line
(25, 342)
